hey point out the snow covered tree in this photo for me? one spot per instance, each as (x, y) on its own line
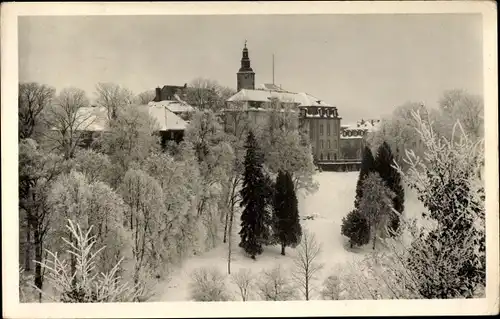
(274, 285)
(448, 260)
(384, 165)
(376, 204)
(398, 130)
(33, 99)
(146, 222)
(113, 98)
(459, 105)
(245, 281)
(331, 288)
(442, 256)
(367, 166)
(355, 227)
(306, 264)
(285, 147)
(38, 171)
(94, 165)
(130, 139)
(90, 204)
(180, 182)
(66, 120)
(253, 199)
(208, 284)
(86, 283)
(287, 229)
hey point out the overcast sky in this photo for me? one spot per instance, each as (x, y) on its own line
(363, 64)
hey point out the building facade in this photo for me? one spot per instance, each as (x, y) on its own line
(318, 119)
(353, 138)
(334, 146)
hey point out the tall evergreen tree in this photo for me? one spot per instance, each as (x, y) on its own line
(253, 199)
(367, 166)
(392, 179)
(287, 229)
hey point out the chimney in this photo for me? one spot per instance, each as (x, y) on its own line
(185, 85)
(158, 95)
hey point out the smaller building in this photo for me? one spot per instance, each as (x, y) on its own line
(169, 92)
(95, 122)
(353, 138)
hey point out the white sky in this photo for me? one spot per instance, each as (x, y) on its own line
(363, 64)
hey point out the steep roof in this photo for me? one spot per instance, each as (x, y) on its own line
(301, 99)
(95, 118)
(366, 125)
(166, 119)
(177, 106)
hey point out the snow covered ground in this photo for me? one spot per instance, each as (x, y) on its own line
(333, 200)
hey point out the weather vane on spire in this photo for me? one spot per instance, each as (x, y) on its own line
(245, 43)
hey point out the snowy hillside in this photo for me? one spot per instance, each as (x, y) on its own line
(333, 200)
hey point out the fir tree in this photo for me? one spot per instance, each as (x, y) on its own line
(392, 179)
(367, 166)
(287, 229)
(356, 228)
(253, 199)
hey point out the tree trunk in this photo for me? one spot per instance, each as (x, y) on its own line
(374, 238)
(282, 249)
(38, 259)
(307, 288)
(225, 227)
(229, 239)
(27, 245)
(350, 241)
(72, 264)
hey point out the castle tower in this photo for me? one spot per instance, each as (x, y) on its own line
(245, 76)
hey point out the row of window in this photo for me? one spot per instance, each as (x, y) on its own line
(329, 130)
(328, 112)
(329, 144)
(328, 156)
(353, 133)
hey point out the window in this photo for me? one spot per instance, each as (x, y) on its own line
(328, 129)
(329, 144)
(321, 144)
(321, 156)
(335, 156)
(321, 129)
(328, 156)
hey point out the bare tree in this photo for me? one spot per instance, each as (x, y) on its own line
(244, 279)
(68, 120)
(33, 99)
(208, 284)
(305, 262)
(112, 97)
(145, 97)
(464, 107)
(207, 94)
(331, 288)
(274, 285)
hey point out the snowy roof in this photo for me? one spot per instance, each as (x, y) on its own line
(166, 119)
(366, 125)
(270, 86)
(92, 119)
(301, 99)
(177, 106)
(95, 119)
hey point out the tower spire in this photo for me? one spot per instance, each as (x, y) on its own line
(245, 75)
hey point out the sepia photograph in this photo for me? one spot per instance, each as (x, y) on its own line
(162, 154)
